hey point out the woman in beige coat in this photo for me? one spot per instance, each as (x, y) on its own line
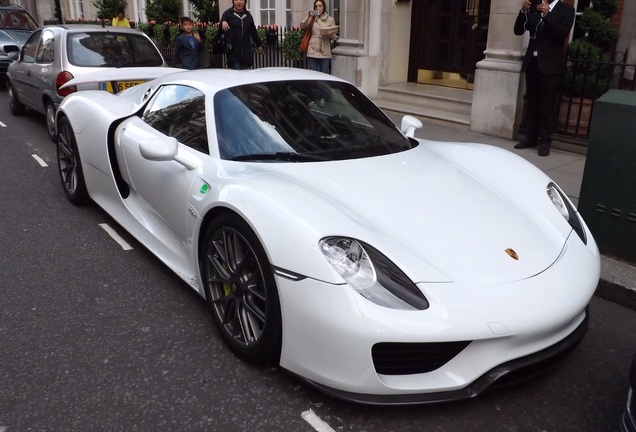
(323, 31)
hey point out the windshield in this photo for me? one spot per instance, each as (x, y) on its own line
(111, 49)
(16, 19)
(302, 121)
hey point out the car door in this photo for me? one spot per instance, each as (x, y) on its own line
(161, 190)
(23, 76)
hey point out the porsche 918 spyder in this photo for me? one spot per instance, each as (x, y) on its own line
(379, 267)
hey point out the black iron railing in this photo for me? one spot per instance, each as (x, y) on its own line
(585, 81)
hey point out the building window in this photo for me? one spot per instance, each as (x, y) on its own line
(77, 9)
(268, 12)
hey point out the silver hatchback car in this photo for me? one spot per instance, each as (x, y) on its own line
(55, 54)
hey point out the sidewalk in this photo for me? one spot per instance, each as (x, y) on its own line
(618, 278)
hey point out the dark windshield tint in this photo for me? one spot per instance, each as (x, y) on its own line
(111, 49)
(16, 19)
(326, 119)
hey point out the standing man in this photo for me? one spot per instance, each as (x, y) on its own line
(188, 46)
(548, 22)
(239, 25)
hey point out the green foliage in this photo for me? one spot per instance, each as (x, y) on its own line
(57, 11)
(210, 32)
(599, 29)
(590, 73)
(206, 11)
(163, 11)
(590, 68)
(174, 32)
(146, 28)
(606, 8)
(107, 9)
(159, 34)
(262, 36)
(291, 42)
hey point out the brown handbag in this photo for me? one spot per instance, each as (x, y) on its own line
(304, 42)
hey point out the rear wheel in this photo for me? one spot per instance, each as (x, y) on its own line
(69, 165)
(241, 290)
(49, 109)
(15, 106)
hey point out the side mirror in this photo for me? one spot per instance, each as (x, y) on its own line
(165, 149)
(159, 149)
(409, 125)
(13, 55)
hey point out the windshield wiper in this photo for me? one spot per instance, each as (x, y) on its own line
(282, 156)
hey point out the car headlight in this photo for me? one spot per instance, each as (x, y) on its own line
(372, 274)
(563, 205)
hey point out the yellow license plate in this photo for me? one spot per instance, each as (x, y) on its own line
(121, 85)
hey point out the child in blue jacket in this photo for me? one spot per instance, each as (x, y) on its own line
(188, 46)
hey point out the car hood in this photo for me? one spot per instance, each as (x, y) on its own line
(421, 207)
(14, 37)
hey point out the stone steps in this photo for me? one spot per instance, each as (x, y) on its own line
(445, 104)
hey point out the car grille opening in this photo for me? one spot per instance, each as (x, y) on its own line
(391, 358)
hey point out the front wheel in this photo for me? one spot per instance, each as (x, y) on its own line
(241, 290)
(69, 165)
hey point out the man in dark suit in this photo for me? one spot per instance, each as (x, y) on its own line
(548, 23)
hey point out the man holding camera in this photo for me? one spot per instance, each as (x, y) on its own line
(548, 23)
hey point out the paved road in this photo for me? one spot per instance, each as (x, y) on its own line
(94, 337)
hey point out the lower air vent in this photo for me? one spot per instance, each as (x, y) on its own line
(413, 358)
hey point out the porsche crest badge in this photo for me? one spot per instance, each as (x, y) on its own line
(512, 254)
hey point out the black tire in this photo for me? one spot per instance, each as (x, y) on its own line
(69, 165)
(49, 110)
(15, 106)
(241, 290)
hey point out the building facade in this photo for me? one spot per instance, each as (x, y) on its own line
(461, 43)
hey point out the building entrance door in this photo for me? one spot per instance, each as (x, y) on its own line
(448, 38)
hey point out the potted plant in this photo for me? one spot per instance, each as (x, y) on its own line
(590, 67)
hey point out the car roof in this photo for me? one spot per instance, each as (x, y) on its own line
(91, 28)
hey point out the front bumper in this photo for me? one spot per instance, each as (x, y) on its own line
(330, 331)
(510, 372)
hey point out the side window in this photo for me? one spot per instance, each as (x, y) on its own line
(46, 50)
(30, 47)
(179, 111)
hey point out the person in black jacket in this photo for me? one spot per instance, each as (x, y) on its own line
(548, 24)
(239, 25)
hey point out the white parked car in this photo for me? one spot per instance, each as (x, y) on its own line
(380, 268)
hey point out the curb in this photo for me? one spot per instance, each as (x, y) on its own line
(616, 293)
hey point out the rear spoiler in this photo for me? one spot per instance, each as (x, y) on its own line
(122, 74)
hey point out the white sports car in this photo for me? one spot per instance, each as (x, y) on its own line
(381, 268)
